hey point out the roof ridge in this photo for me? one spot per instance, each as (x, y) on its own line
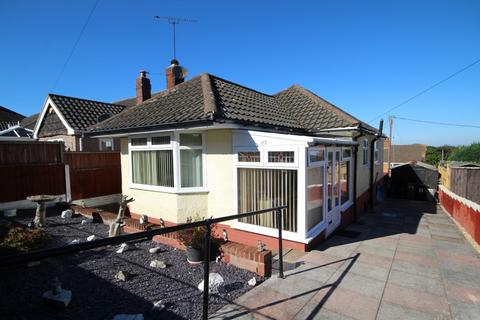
(209, 99)
(90, 100)
(317, 99)
(237, 84)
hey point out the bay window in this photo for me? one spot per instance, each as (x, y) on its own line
(167, 162)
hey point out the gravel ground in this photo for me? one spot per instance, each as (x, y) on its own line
(90, 276)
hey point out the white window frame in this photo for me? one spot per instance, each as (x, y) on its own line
(248, 164)
(376, 154)
(177, 163)
(174, 145)
(365, 157)
(100, 140)
(300, 234)
(349, 203)
(316, 164)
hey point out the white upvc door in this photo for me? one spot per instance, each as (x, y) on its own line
(332, 190)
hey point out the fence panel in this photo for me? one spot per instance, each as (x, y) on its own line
(465, 182)
(35, 152)
(21, 181)
(94, 174)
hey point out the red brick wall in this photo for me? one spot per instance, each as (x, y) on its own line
(467, 216)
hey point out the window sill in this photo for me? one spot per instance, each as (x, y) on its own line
(168, 190)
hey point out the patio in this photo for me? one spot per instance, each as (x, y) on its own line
(407, 261)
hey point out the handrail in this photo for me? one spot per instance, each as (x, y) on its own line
(53, 252)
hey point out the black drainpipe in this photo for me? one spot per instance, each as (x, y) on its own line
(355, 171)
(372, 165)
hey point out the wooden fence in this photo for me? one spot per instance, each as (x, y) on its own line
(465, 182)
(32, 168)
(94, 174)
(20, 152)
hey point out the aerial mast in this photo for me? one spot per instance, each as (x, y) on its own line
(174, 21)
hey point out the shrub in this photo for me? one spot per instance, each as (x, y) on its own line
(20, 239)
(193, 237)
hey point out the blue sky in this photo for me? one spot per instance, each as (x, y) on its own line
(363, 56)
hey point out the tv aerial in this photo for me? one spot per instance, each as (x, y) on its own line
(174, 21)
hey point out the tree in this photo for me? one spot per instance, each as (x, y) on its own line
(469, 153)
(433, 155)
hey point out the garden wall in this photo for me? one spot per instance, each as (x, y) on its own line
(464, 211)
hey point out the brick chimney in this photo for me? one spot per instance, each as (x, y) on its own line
(143, 87)
(175, 74)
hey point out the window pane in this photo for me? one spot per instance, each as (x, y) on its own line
(191, 168)
(250, 156)
(345, 181)
(316, 155)
(106, 145)
(314, 196)
(190, 139)
(139, 141)
(347, 152)
(161, 140)
(266, 188)
(281, 156)
(153, 168)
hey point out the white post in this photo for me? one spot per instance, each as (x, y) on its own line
(68, 190)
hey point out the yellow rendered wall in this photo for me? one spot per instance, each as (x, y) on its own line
(220, 173)
(218, 201)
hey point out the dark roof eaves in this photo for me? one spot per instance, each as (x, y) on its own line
(173, 125)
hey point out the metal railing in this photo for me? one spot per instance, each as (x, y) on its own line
(207, 223)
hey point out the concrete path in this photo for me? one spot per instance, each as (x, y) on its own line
(407, 261)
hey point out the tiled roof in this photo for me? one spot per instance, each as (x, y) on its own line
(209, 98)
(8, 118)
(29, 122)
(185, 103)
(82, 113)
(131, 102)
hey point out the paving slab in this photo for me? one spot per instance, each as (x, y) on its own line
(412, 262)
(390, 311)
(417, 282)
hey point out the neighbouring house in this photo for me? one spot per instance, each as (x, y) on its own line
(212, 147)
(29, 122)
(404, 153)
(67, 119)
(415, 181)
(12, 127)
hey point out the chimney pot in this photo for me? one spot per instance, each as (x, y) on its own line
(175, 74)
(143, 87)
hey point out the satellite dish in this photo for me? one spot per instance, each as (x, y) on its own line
(103, 117)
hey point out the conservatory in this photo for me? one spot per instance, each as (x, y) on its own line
(312, 175)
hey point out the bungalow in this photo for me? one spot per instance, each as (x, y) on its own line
(67, 119)
(212, 147)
